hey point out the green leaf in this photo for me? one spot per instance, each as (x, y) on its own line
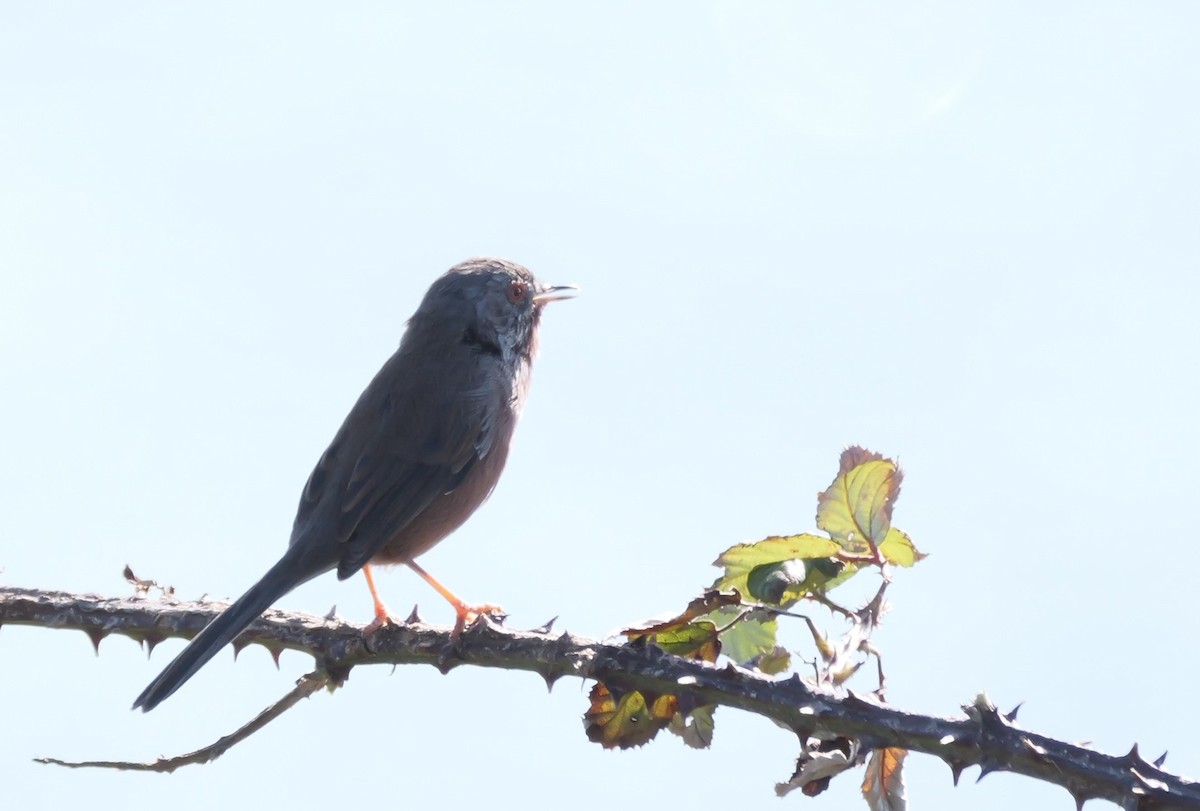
(697, 639)
(857, 507)
(767, 583)
(898, 548)
(752, 636)
(743, 558)
(773, 662)
(784, 583)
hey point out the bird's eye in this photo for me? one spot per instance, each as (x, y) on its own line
(516, 292)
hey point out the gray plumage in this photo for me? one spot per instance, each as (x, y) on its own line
(418, 453)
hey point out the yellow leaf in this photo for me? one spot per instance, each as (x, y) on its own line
(857, 507)
(696, 640)
(627, 721)
(898, 548)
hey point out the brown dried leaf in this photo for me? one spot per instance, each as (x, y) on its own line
(697, 729)
(820, 762)
(706, 603)
(883, 784)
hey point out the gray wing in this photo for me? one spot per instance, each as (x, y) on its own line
(414, 435)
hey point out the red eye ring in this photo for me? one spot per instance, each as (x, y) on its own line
(516, 292)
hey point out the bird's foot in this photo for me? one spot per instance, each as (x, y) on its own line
(383, 618)
(452, 651)
(375, 625)
(465, 614)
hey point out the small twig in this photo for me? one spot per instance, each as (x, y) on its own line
(772, 609)
(305, 687)
(830, 604)
(736, 620)
(866, 647)
(872, 612)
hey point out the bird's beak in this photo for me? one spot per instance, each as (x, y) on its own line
(562, 291)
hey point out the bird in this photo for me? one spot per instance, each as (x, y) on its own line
(420, 450)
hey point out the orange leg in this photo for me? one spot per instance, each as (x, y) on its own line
(382, 615)
(463, 613)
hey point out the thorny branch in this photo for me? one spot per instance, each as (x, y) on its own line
(984, 737)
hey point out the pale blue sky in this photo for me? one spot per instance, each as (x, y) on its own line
(960, 234)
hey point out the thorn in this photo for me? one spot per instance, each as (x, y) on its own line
(551, 677)
(450, 656)
(1135, 757)
(239, 645)
(565, 638)
(447, 660)
(1011, 715)
(152, 638)
(545, 629)
(96, 635)
(413, 617)
(275, 652)
(956, 769)
(1160, 760)
(332, 615)
(986, 767)
(1079, 799)
(854, 700)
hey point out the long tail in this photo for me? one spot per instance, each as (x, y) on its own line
(282, 578)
